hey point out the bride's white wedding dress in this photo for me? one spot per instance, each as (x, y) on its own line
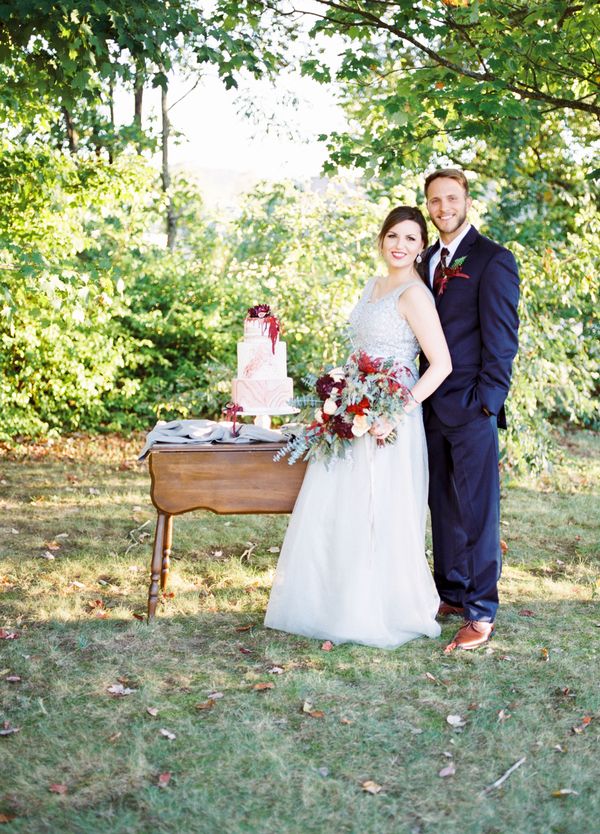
(352, 567)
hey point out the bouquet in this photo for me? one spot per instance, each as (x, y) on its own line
(349, 401)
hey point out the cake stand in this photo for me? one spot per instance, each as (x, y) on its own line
(262, 416)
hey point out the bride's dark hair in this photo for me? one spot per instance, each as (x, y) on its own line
(399, 214)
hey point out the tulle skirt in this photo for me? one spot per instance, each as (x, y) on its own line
(352, 567)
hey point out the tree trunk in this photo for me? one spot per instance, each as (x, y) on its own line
(138, 98)
(72, 136)
(166, 177)
(111, 110)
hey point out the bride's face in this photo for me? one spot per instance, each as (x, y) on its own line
(401, 244)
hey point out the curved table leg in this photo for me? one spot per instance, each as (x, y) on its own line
(166, 552)
(157, 562)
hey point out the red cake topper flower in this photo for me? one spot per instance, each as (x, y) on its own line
(270, 322)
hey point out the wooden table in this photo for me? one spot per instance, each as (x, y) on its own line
(224, 478)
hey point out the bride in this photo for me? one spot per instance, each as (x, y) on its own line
(352, 567)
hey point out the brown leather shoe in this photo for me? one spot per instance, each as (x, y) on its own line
(448, 610)
(471, 635)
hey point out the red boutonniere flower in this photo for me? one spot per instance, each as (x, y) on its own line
(452, 271)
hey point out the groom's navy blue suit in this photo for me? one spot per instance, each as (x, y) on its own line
(480, 322)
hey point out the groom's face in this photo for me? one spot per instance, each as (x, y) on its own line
(447, 204)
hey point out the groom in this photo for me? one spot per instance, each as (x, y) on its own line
(476, 287)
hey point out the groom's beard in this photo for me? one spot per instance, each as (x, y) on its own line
(448, 230)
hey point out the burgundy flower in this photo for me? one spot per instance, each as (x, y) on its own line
(324, 386)
(260, 311)
(340, 427)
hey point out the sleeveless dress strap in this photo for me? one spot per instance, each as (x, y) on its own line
(402, 289)
(366, 293)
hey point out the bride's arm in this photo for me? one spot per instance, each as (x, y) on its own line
(417, 306)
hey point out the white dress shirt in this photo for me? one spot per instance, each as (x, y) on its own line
(451, 247)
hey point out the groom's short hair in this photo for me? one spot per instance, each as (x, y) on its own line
(451, 174)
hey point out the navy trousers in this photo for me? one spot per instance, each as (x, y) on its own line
(464, 499)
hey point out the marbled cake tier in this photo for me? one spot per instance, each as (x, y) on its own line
(262, 394)
(256, 360)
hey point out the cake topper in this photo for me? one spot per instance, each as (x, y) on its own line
(270, 322)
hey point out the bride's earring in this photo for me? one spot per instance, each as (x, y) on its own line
(419, 258)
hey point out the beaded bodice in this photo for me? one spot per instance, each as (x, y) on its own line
(378, 328)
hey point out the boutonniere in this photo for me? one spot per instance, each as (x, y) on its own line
(452, 271)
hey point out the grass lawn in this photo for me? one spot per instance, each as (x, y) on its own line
(292, 756)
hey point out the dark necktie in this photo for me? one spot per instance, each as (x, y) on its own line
(438, 272)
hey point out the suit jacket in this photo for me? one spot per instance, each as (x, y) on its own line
(480, 321)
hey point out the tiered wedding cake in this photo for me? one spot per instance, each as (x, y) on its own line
(262, 385)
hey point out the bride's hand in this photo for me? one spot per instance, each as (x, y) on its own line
(382, 428)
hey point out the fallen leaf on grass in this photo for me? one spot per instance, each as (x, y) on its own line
(119, 689)
(503, 546)
(139, 616)
(455, 721)
(48, 555)
(153, 711)
(7, 730)
(275, 670)
(205, 704)
(559, 748)
(565, 792)
(273, 549)
(245, 651)
(13, 679)
(309, 709)
(8, 635)
(167, 734)
(449, 770)
(503, 715)
(327, 646)
(371, 787)
(4, 818)
(53, 545)
(245, 628)
(62, 536)
(60, 789)
(544, 655)
(168, 595)
(526, 612)
(345, 720)
(164, 779)
(260, 687)
(77, 585)
(586, 720)
(215, 696)
(114, 737)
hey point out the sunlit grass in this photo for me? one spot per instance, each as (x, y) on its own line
(255, 762)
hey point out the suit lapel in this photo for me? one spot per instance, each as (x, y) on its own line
(466, 243)
(463, 250)
(426, 260)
